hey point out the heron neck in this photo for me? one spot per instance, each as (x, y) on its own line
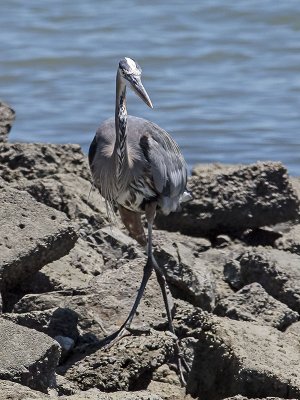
(120, 119)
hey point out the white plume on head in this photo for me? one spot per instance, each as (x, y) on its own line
(131, 63)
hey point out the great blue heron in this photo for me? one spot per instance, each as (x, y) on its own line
(137, 166)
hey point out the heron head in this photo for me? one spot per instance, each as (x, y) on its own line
(131, 72)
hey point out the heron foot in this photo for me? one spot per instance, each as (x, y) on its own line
(183, 368)
(112, 339)
(124, 331)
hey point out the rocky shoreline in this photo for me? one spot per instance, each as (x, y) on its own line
(68, 278)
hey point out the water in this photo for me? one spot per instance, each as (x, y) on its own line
(224, 76)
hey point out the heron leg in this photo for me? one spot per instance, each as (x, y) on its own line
(124, 330)
(166, 293)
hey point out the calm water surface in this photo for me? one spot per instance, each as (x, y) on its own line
(224, 76)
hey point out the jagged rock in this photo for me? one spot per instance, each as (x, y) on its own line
(67, 192)
(75, 270)
(238, 397)
(235, 198)
(39, 160)
(15, 391)
(66, 345)
(27, 356)
(240, 357)
(252, 303)
(7, 117)
(31, 235)
(54, 321)
(277, 271)
(104, 305)
(168, 391)
(95, 394)
(128, 365)
(195, 276)
(290, 241)
(190, 276)
(294, 329)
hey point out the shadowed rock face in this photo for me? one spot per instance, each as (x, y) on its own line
(27, 356)
(232, 199)
(31, 236)
(80, 293)
(239, 357)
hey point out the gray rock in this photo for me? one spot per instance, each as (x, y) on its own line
(240, 357)
(193, 275)
(54, 321)
(252, 303)
(7, 117)
(27, 356)
(31, 235)
(277, 271)
(235, 198)
(66, 344)
(190, 276)
(67, 192)
(216, 259)
(104, 305)
(296, 184)
(290, 240)
(39, 160)
(15, 391)
(168, 391)
(75, 270)
(293, 329)
(95, 394)
(238, 397)
(127, 365)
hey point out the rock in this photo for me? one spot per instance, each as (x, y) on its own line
(260, 236)
(238, 397)
(295, 181)
(210, 168)
(64, 387)
(66, 344)
(14, 391)
(216, 259)
(31, 235)
(277, 271)
(27, 356)
(104, 305)
(67, 192)
(7, 117)
(54, 321)
(39, 160)
(168, 391)
(95, 394)
(75, 270)
(293, 329)
(190, 276)
(222, 241)
(193, 275)
(235, 198)
(128, 365)
(252, 303)
(240, 357)
(290, 241)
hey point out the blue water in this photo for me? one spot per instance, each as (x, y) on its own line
(224, 76)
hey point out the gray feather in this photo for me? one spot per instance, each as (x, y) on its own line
(154, 159)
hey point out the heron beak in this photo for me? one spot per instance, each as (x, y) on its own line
(141, 91)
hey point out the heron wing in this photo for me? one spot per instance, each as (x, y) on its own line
(167, 167)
